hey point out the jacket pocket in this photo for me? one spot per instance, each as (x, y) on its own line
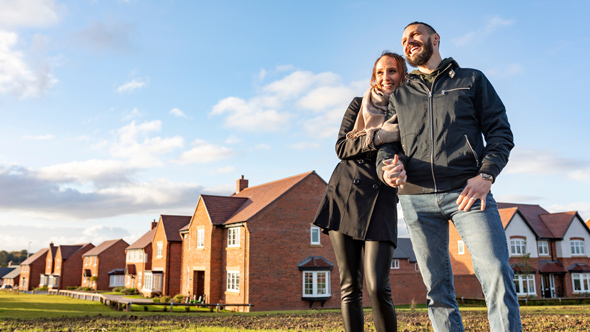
(472, 151)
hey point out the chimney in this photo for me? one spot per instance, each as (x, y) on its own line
(154, 224)
(241, 184)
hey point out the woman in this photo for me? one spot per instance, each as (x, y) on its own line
(358, 211)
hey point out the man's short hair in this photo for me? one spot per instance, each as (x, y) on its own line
(428, 27)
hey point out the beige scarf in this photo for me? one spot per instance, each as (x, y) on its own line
(371, 115)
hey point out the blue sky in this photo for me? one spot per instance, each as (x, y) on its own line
(114, 112)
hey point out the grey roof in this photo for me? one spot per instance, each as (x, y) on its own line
(6, 270)
(404, 250)
(14, 274)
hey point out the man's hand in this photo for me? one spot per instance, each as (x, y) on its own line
(477, 188)
(394, 173)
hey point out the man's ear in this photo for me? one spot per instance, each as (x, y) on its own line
(435, 39)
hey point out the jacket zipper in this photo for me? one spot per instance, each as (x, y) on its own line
(444, 92)
(431, 113)
(472, 151)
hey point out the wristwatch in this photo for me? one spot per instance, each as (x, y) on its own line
(487, 176)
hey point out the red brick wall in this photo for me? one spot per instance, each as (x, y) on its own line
(70, 270)
(279, 241)
(194, 259)
(32, 276)
(110, 259)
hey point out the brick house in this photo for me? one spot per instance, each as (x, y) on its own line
(32, 269)
(164, 276)
(104, 265)
(5, 271)
(139, 259)
(548, 253)
(406, 282)
(258, 246)
(64, 268)
(49, 266)
(12, 278)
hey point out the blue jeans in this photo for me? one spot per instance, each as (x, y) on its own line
(427, 218)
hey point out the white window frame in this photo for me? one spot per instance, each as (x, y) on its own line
(525, 284)
(460, 247)
(543, 247)
(117, 280)
(233, 237)
(395, 264)
(159, 249)
(233, 281)
(517, 247)
(577, 247)
(311, 286)
(583, 282)
(314, 234)
(200, 238)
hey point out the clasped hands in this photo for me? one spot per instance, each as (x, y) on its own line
(394, 173)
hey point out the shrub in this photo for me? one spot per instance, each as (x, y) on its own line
(118, 289)
(44, 288)
(178, 298)
(187, 308)
(165, 308)
(166, 299)
(156, 300)
(72, 287)
(145, 308)
(129, 291)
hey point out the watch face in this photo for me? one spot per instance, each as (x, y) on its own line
(485, 176)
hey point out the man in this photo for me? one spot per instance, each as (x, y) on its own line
(443, 111)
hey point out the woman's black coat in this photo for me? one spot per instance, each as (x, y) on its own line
(356, 202)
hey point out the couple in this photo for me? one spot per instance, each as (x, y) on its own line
(424, 134)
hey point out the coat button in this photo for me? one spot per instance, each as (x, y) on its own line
(356, 181)
(375, 186)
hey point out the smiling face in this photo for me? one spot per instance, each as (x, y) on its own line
(417, 44)
(387, 74)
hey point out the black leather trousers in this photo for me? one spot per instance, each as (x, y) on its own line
(377, 264)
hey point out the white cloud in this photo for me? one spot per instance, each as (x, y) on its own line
(279, 104)
(16, 76)
(28, 13)
(133, 85)
(225, 170)
(304, 146)
(38, 137)
(262, 146)
(135, 144)
(133, 114)
(48, 193)
(583, 209)
(203, 153)
(177, 113)
(250, 116)
(540, 162)
(493, 24)
(232, 140)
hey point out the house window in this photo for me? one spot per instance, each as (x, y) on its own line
(517, 247)
(543, 247)
(233, 281)
(577, 247)
(315, 235)
(395, 264)
(233, 237)
(117, 280)
(201, 238)
(581, 282)
(460, 247)
(94, 258)
(316, 283)
(525, 284)
(159, 247)
(153, 281)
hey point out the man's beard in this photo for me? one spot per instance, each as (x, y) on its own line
(423, 57)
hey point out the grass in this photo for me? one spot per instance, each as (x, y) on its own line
(24, 312)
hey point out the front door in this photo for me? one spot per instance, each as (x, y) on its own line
(548, 285)
(198, 283)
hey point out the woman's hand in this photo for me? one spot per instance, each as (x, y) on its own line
(394, 173)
